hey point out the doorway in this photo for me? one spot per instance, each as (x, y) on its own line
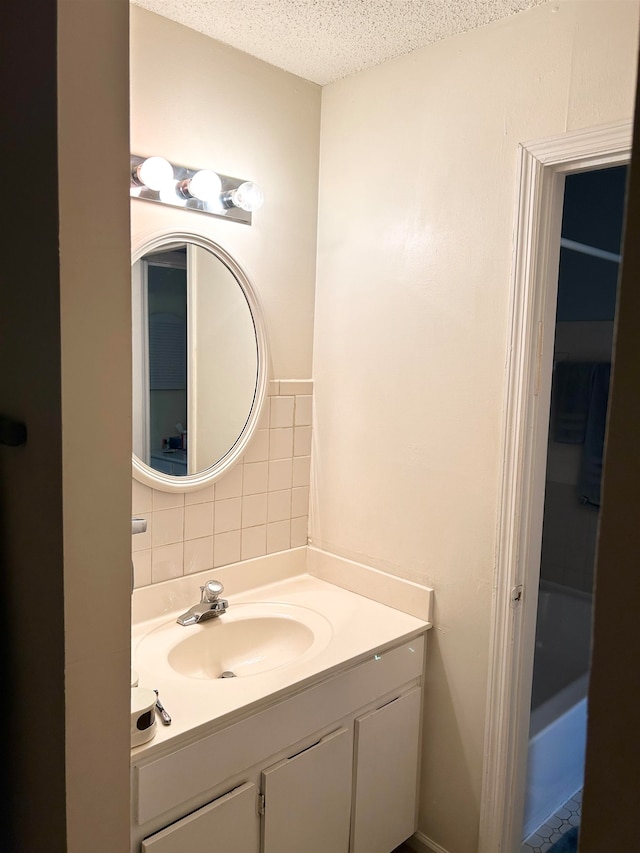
(592, 222)
(543, 168)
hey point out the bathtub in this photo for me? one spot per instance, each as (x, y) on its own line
(557, 733)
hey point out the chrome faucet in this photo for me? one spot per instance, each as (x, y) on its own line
(209, 606)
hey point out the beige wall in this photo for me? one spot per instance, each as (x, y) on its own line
(65, 493)
(416, 217)
(202, 104)
(95, 310)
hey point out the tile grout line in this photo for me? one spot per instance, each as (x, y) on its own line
(566, 817)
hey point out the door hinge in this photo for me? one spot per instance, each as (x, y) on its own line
(516, 595)
(260, 803)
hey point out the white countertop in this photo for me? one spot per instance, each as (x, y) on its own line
(354, 627)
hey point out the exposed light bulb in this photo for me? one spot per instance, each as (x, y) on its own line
(205, 185)
(156, 179)
(248, 196)
(154, 172)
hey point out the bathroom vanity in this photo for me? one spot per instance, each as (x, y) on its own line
(296, 711)
(313, 746)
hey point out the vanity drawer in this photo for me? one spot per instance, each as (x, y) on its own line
(165, 783)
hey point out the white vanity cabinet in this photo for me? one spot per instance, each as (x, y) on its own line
(331, 768)
(386, 768)
(229, 823)
(307, 798)
(309, 801)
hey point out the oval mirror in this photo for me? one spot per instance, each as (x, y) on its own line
(199, 361)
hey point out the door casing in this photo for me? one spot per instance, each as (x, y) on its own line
(543, 166)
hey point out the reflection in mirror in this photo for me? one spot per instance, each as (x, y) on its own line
(198, 362)
(165, 274)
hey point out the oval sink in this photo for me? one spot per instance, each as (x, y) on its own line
(249, 639)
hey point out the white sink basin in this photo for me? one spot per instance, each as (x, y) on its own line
(249, 639)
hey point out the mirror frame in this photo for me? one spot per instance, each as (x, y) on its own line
(191, 482)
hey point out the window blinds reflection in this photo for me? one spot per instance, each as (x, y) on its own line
(167, 352)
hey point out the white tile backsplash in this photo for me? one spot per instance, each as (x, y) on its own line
(302, 441)
(299, 501)
(141, 498)
(263, 422)
(254, 542)
(299, 531)
(255, 478)
(281, 412)
(200, 497)
(281, 443)
(227, 515)
(166, 500)
(279, 505)
(301, 466)
(258, 450)
(254, 510)
(167, 562)
(198, 521)
(142, 541)
(296, 387)
(259, 507)
(278, 536)
(280, 474)
(230, 486)
(303, 410)
(226, 548)
(198, 555)
(167, 527)
(141, 567)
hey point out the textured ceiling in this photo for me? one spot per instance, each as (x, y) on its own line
(324, 40)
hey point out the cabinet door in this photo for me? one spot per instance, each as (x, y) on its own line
(230, 824)
(386, 768)
(308, 798)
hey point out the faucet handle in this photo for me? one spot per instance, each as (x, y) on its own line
(211, 590)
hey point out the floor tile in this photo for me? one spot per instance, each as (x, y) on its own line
(555, 827)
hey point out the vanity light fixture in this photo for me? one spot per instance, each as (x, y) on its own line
(155, 179)
(154, 173)
(205, 185)
(248, 196)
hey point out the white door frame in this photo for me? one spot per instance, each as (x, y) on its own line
(542, 168)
